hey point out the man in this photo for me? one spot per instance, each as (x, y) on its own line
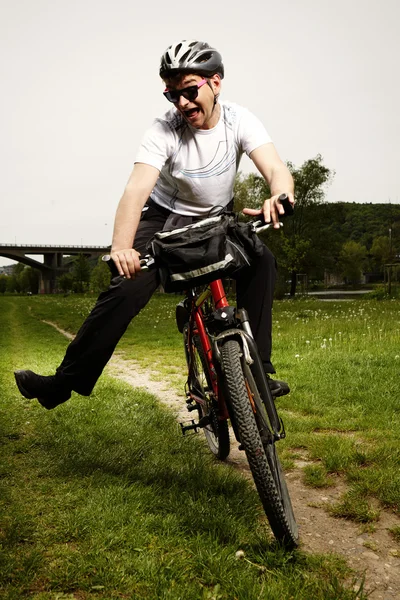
(185, 170)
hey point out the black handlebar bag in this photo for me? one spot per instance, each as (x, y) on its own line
(198, 253)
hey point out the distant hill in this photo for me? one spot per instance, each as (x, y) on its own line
(358, 222)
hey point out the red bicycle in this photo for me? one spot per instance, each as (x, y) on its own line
(226, 382)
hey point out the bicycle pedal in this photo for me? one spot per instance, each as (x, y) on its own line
(191, 407)
(193, 427)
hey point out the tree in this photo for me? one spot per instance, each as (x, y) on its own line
(3, 283)
(23, 279)
(100, 277)
(250, 191)
(381, 250)
(303, 235)
(13, 284)
(29, 280)
(351, 261)
(81, 274)
(65, 282)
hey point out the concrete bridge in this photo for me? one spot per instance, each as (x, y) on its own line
(53, 264)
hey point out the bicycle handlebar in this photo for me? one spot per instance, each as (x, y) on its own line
(259, 225)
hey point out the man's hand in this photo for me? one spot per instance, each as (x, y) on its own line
(127, 262)
(271, 209)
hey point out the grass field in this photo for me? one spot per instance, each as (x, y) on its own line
(102, 498)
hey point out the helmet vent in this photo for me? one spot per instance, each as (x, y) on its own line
(178, 47)
(207, 56)
(184, 57)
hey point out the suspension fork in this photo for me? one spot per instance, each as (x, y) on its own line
(244, 336)
(257, 369)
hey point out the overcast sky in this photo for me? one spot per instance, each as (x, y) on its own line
(79, 86)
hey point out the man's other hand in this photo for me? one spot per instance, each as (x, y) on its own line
(271, 209)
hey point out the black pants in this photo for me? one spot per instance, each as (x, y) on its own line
(89, 352)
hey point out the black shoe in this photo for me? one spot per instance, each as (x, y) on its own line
(49, 391)
(277, 387)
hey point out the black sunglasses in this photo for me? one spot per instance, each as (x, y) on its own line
(190, 93)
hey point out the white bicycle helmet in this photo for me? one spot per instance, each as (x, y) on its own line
(191, 57)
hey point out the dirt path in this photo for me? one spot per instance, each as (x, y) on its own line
(374, 553)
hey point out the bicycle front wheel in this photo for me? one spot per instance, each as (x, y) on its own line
(259, 446)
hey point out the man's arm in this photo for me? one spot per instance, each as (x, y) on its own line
(140, 184)
(280, 181)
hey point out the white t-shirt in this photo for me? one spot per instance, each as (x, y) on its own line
(198, 166)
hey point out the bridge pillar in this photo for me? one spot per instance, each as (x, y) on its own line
(53, 260)
(44, 284)
(50, 259)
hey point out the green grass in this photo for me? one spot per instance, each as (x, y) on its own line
(355, 507)
(102, 498)
(341, 360)
(316, 476)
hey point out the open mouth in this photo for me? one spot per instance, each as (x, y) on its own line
(192, 113)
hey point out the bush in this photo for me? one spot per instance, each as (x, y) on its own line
(381, 293)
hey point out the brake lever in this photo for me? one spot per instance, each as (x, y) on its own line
(147, 262)
(258, 227)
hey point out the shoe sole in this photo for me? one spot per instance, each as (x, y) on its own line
(21, 388)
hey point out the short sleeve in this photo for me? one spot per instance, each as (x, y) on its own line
(251, 132)
(154, 148)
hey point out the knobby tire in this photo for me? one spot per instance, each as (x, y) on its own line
(262, 458)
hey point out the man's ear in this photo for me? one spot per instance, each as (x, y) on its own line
(216, 83)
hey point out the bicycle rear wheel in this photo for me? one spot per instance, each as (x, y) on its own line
(200, 387)
(258, 444)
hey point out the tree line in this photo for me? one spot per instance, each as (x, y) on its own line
(341, 239)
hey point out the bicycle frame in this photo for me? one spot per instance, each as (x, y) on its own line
(217, 292)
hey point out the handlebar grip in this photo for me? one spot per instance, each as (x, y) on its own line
(287, 205)
(111, 264)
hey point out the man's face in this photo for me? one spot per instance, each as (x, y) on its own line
(199, 112)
